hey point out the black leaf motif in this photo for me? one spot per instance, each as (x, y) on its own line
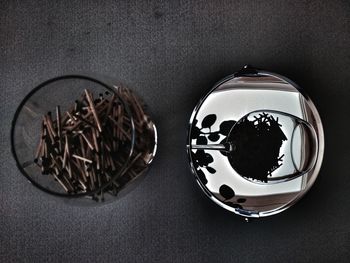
(209, 158)
(226, 191)
(211, 170)
(200, 157)
(241, 200)
(201, 177)
(195, 132)
(195, 162)
(208, 121)
(214, 136)
(226, 126)
(203, 158)
(202, 140)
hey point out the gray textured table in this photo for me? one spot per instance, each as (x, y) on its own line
(171, 53)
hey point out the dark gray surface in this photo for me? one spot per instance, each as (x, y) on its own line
(172, 53)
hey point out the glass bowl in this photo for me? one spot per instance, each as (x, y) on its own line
(64, 176)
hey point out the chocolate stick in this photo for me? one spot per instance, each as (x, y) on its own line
(92, 107)
(59, 128)
(87, 141)
(82, 158)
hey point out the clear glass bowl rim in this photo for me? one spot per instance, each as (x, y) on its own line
(48, 82)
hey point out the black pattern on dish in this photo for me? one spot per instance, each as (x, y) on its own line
(201, 158)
